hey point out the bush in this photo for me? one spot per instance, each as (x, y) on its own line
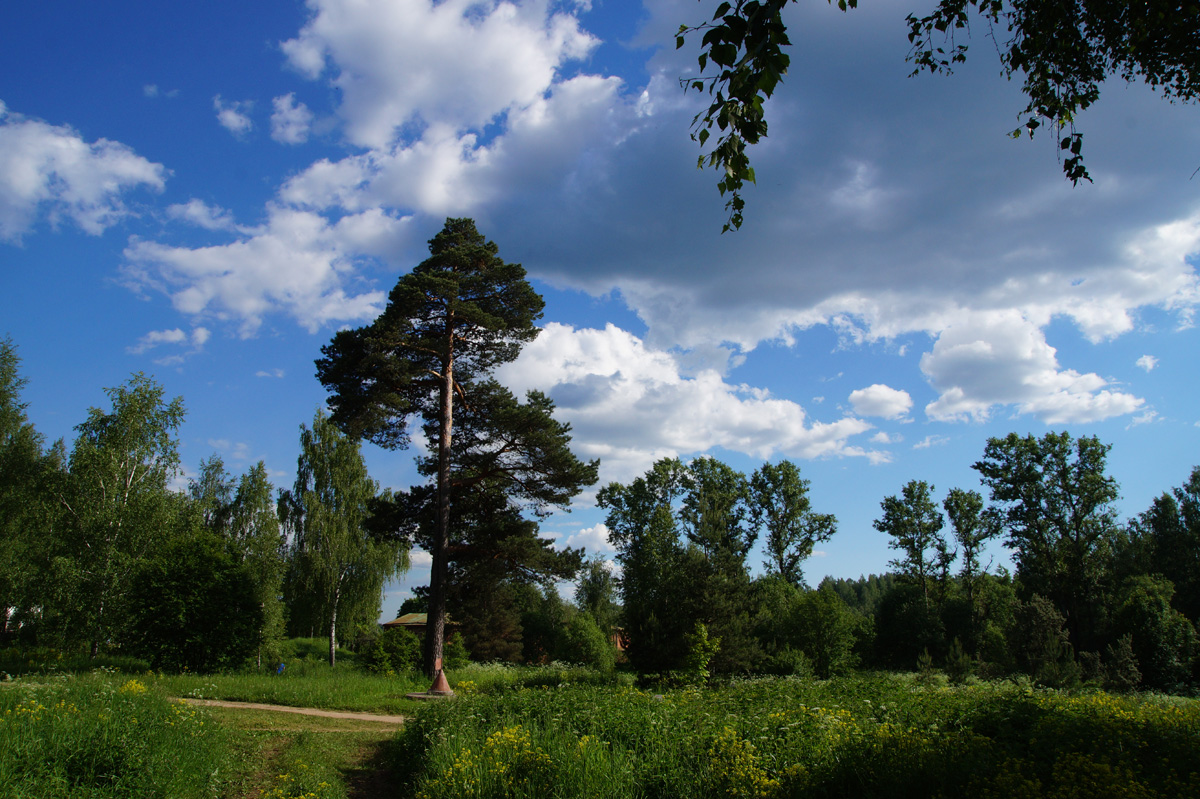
(584, 643)
(194, 608)
(394, 650)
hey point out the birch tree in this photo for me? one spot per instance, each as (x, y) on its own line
(336, 562)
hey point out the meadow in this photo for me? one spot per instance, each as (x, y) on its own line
(556, 731)
(868, 736)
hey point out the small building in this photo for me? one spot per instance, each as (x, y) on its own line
(416, 622)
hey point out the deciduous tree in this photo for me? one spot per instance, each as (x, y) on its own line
(1055, 501)
(117, 506)
(334, 558)
(914, 524)
(780, 503)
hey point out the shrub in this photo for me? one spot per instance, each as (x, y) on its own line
(395, 650)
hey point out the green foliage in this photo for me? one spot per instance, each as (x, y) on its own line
(1121, 673)
(1066, 50)
(700, 650)
(825, 631)
(779, 501)
(25, 507)
(790, 738)
(914, 525)
(448, 323)
(105, 738)
(668, 586)
(584, 643)
(1055, 501)
(336, 564)
(117, 509)
(394, 650)
(1162, 640)
(595, 594)
(1041, 646)
(958, 663)
(194, 607)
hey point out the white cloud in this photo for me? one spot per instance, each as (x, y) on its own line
(881, 400)
(1147, 362)
(201, 214)
(886, 438)
(290, 121)
(1000, 358)
(275, 373)
(629, 405)
(593, 539)
(156, 338)
(1147, 417)
(410, 63)
(233, 115)
(50, 169)
(298, 263)
(931, 441)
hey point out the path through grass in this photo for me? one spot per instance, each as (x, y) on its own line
(288, 756)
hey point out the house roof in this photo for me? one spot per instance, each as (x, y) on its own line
(413, 620)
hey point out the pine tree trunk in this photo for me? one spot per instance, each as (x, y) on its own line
(435, 632)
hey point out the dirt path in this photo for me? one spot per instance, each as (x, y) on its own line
(304, 711)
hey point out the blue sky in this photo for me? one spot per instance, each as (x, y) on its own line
(206, 192)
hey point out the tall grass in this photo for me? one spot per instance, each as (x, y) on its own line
(102, 737)
(340, 688)
(871, 737)
(18, 661)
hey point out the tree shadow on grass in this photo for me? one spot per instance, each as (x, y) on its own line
(377, 773)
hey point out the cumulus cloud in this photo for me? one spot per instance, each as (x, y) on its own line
(290, 121)
(233, 116)
(276, 373)
(630, 405)
(1000, 358)
(394, 60)
(885, 208)
(49, 169)
(201, 214)
(297, 263)
(881, 400)
(593, 539)
(1147, 362)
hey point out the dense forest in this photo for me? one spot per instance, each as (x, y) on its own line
(100, 550)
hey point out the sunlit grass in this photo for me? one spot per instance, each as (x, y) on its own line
(782, 738)
(103, 736)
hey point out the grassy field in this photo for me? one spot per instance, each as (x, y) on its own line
(560, 732)
(864, 737)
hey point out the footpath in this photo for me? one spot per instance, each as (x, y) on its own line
(304, 711)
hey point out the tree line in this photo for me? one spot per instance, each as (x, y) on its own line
(1090, 598)
(102, 526)
(100, 552)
